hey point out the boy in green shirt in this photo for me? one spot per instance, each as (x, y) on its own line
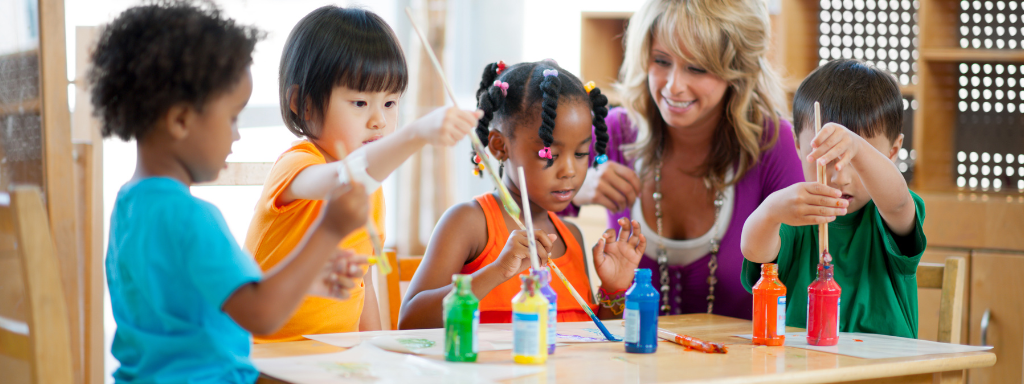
(875, 234)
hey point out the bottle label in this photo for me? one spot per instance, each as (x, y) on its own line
(476, 327)
(632, 317)
(552, 320)
(525, 334)
(839, 305)
(780, 325)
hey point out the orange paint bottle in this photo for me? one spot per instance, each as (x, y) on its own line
(769, 308)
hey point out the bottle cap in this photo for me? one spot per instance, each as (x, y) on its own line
(642, 273)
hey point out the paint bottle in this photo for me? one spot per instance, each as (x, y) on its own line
(461, 320)
(823, 308)
(543, 276)
(529, 324)
(769, 308)
(641, 314)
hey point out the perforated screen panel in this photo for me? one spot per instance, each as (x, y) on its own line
(907, 156)
(990, 127)
(882, 33)
(990, 121)
(991, 24)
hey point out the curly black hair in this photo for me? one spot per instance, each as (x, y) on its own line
(521, 97)
(162, 53)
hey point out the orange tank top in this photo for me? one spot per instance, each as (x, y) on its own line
(496, 307)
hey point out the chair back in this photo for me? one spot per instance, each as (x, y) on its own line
(35, 345)
(950, 278)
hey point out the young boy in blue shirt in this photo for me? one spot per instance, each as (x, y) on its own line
(185, 296)
(875, 234)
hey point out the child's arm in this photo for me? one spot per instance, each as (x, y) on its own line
(461, 235)
(442, 127)
(369, 320)
(616, 256)
(879, 174)
(800, 204)
(262, 307)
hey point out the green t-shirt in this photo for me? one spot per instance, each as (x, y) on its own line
(876, 270)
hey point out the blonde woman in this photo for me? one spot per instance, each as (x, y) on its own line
(697, 147)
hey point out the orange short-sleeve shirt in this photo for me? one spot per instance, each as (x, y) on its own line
(276, 229)
(496, 307)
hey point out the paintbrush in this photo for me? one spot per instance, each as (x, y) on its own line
(692, 342)
(378, 258)
(485, 156)
(822, 176)
(506, 197)
(534, 259)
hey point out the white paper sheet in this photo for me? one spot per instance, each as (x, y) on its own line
(367, 363)
(419, 341)
(493, 337)
(871, 346)
(568, 333)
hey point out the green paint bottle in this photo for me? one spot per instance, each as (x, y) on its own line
(461, 320)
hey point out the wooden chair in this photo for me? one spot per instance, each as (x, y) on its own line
(33, 314)
(405, 268)
(950, 278)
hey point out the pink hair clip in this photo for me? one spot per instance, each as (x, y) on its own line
(550, 72)
(545, 153)
(503, 86)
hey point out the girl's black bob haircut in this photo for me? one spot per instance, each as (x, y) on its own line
(331, 47)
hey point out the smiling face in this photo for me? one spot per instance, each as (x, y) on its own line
(848, 180)
(551, 188)
(357, 118)
(208, 143)
(686, 94)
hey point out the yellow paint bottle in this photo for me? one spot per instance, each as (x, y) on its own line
(529, 324)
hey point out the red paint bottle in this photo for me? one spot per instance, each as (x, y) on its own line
(769, 308)
(823, 308)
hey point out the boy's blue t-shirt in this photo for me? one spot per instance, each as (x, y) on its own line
(876, 270)
(171, 264)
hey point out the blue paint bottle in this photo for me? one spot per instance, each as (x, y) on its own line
(544, 279)
(641, 314)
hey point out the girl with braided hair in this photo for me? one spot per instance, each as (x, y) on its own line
(542, 118)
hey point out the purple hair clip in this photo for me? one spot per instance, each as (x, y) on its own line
(550, 72)
(503, 86)
(545, 153)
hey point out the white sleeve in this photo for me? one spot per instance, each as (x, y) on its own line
(356, 163)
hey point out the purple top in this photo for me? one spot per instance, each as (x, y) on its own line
(778, 168)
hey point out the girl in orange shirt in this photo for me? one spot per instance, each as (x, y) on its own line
(342, 75)
(473, 237)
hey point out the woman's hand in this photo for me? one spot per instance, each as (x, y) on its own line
(612, 185)
(515, 257)
(616, 256)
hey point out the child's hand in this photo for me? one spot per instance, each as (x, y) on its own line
(835, 142)
(346, 210)
(806, 203)
(446, 126)
(339, 275)
(616, 256)
(515, 257)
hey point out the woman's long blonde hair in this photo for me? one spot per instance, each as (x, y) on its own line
(728, 38)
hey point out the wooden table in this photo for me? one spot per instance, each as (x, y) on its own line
(745, 363)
